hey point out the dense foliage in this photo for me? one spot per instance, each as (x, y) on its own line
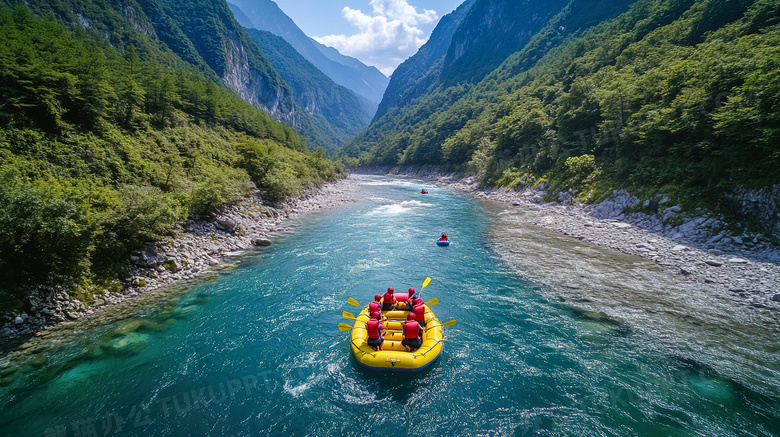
(103, 151)
(204, 35)
(677, 97)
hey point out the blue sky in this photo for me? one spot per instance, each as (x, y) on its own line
(382, 33)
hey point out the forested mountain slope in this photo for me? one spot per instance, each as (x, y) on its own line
(366, 81)
(109, 138)
(202, 33)
(465, 46)
(668, 97)
(337, 110)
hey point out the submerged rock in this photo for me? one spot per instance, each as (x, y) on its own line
(8, 380)
(594, 316)
(715, 390)
(38, 361)
(130, 343)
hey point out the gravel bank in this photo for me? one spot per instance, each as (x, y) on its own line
(689, 249)
(202, 247)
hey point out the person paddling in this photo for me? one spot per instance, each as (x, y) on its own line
(412, 340)
(376, 305)
(374, 328)
(388, 300)
(419, 312)
(444, 237)
(409, 303)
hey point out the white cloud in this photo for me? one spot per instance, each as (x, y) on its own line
(385, 38)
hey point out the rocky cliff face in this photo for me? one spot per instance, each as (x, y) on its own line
(254, 87)
(481, 34)
(229, 51)
(492, 30)
(415, 75)
(367, 82)
(337, 109)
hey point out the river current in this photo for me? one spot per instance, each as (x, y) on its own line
(256, 350)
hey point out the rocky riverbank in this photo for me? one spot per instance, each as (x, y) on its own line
(696, 249)
(201, 247)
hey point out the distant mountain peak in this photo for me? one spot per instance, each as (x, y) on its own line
(366, 81)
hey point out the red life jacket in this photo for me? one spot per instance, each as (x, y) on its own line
(388, 298)
(411, 330)
(373, 306)
(373, 327)
(419, 313)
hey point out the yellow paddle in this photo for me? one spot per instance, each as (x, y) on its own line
(353, 302)
(425, 284)
(449, 323)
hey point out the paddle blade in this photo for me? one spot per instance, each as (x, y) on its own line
(453, 237)
(344, 327)
(353, 302)
(434, 301)
(449, 323)
(348, 315)
(425, 283)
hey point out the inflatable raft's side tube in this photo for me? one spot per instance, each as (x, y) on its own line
(393, 357)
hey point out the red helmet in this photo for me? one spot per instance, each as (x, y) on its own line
(377, 297)
(411, 291)
(390, 289)
(376, 315)
(410, 316)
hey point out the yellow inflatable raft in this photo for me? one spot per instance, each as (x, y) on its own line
(393, 356)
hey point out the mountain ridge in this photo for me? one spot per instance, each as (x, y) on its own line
(366, 81)
(605, 95)
(339, 111)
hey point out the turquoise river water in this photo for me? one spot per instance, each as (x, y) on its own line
(256, 350)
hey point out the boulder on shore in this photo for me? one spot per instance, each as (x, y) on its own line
(226, 224)
(148, 258)
(261, 242)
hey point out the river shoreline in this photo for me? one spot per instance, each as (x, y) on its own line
(748, 272)
(203, 247)
(687, 249)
